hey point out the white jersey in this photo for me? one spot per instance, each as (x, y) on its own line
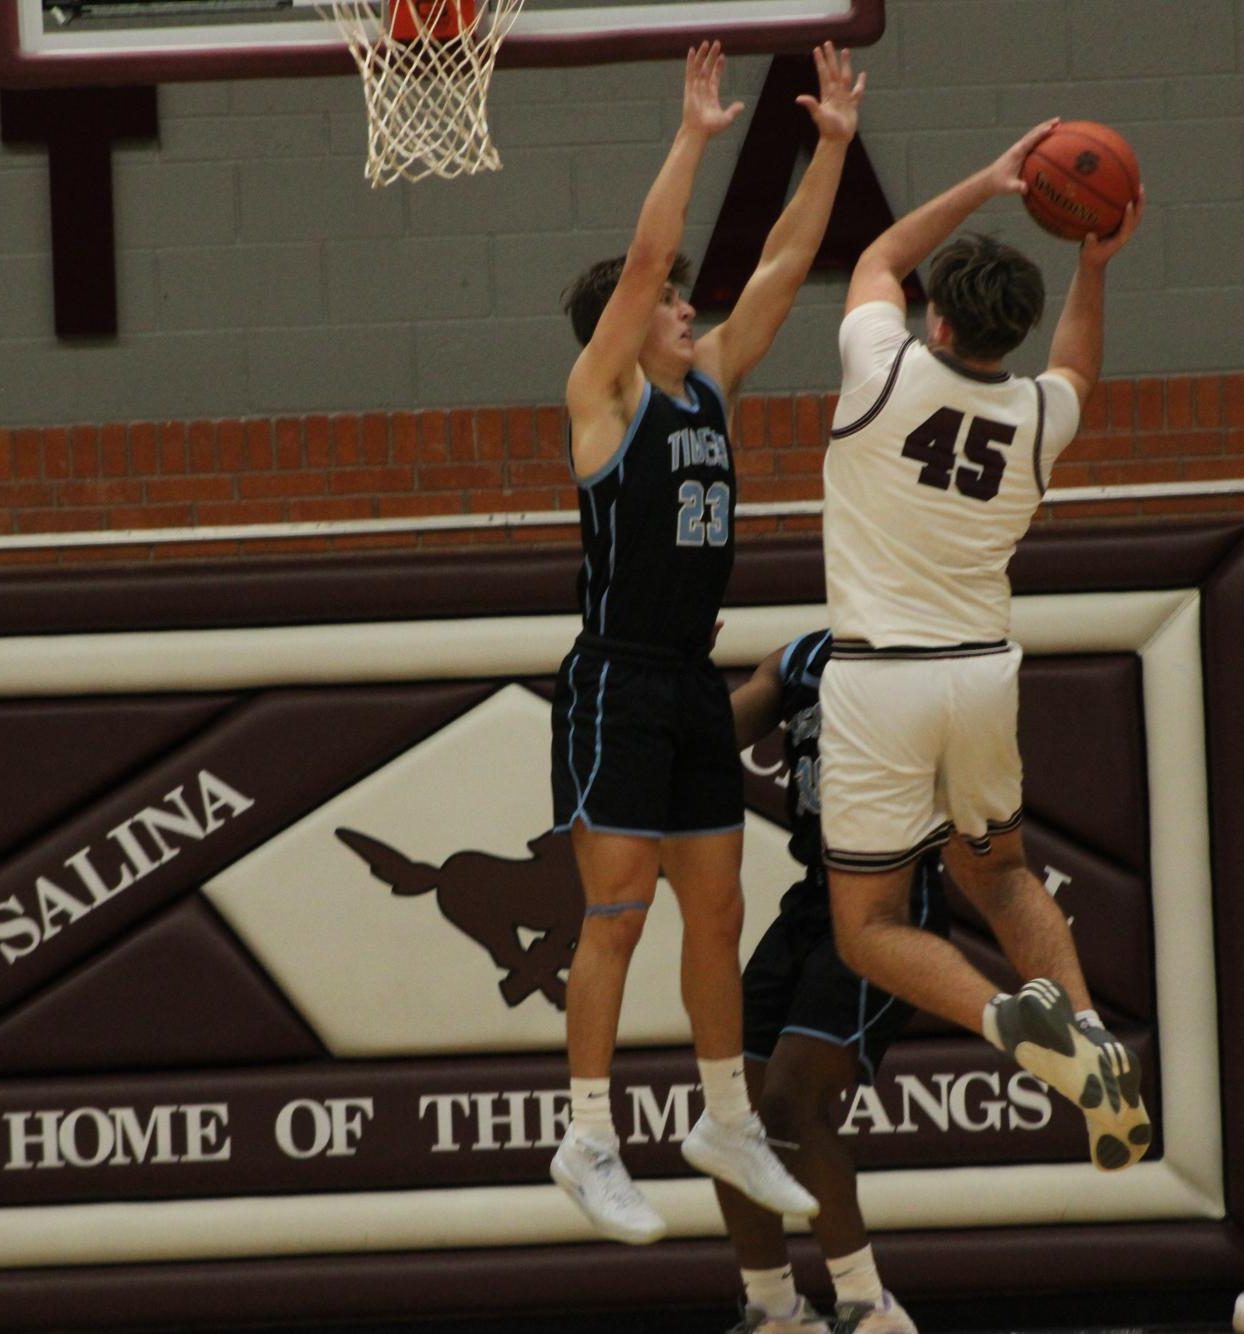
(933, 473)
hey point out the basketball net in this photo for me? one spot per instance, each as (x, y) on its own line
(426, 71)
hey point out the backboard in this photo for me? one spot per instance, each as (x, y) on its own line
(46, 43)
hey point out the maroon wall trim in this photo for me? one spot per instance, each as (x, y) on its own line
(301, 591)
(1150, 1257)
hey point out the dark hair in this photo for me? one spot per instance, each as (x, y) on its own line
(990, 294)
(589, 294)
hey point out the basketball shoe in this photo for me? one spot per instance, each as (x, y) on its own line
(886, 1317)
(741, 1156)
(591, 1173)
(1128, 1141)
(803, 1320)
(1038, 1028)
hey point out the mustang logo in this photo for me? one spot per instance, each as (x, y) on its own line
(490, 898)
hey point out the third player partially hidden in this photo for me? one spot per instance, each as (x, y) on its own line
(938, 460)
(812, 1030)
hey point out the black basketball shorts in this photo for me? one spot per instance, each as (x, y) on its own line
(796, 983)
(643, 744)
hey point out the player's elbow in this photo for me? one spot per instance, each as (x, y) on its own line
(879, 260)
(648, 260)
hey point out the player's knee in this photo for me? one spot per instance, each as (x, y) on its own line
(614, 928)
(719, 921)
(852, 949)
(854, 941)
(789, 1108)
(999, 868)
(996, 885)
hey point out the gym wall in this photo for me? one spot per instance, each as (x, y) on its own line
(278, 320)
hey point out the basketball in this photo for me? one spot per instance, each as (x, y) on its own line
(442, 20)
(1080, 177)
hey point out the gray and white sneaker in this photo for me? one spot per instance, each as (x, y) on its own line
(885, 1317)
(592, 1174)
(1038, 1027)
(740, 1155)
(803, 1320)
(1116, 1146)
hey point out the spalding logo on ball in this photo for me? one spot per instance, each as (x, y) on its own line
(1081, 178)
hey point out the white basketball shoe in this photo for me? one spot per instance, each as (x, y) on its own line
(592, 1174)
(741, 1156)
(803, 1320)
(885, 1317)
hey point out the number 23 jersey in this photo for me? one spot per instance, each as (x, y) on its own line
(932, 476)
(657, 523)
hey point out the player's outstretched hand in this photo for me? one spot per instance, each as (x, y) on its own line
(1098, 251)
(701, 99)
(1004, 171)
(835, 113)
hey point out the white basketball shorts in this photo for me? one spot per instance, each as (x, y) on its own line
(916, 743)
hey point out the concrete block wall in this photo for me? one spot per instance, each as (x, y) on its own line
(264, 288)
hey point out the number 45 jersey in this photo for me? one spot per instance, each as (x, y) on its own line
(932, 476)
(657, 524)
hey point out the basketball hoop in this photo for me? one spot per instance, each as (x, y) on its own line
(426, 70)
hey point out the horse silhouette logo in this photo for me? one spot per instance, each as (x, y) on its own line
(490, 898)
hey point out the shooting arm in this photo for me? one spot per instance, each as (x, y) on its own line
(880, 270)
(1076, 350)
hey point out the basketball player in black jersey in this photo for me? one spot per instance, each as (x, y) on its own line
(646, 775)
(812, 1030)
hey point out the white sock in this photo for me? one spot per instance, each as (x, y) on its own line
(725, 1090)
(989, 1021)
(590, 1112)
(855, 1277)
(1089, 1019)
(773, 1290)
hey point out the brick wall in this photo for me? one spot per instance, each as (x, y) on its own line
(308, 469)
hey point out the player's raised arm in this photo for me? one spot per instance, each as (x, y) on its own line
(757, 703)
(1076, 349)
(731, 350)
(608, 364)
(880, 270)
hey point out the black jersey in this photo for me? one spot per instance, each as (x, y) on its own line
(800, 673)
(657, 524)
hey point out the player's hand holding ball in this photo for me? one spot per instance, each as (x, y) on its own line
(1080, 178)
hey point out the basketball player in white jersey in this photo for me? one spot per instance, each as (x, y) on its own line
(938, 459)
(646, 774)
